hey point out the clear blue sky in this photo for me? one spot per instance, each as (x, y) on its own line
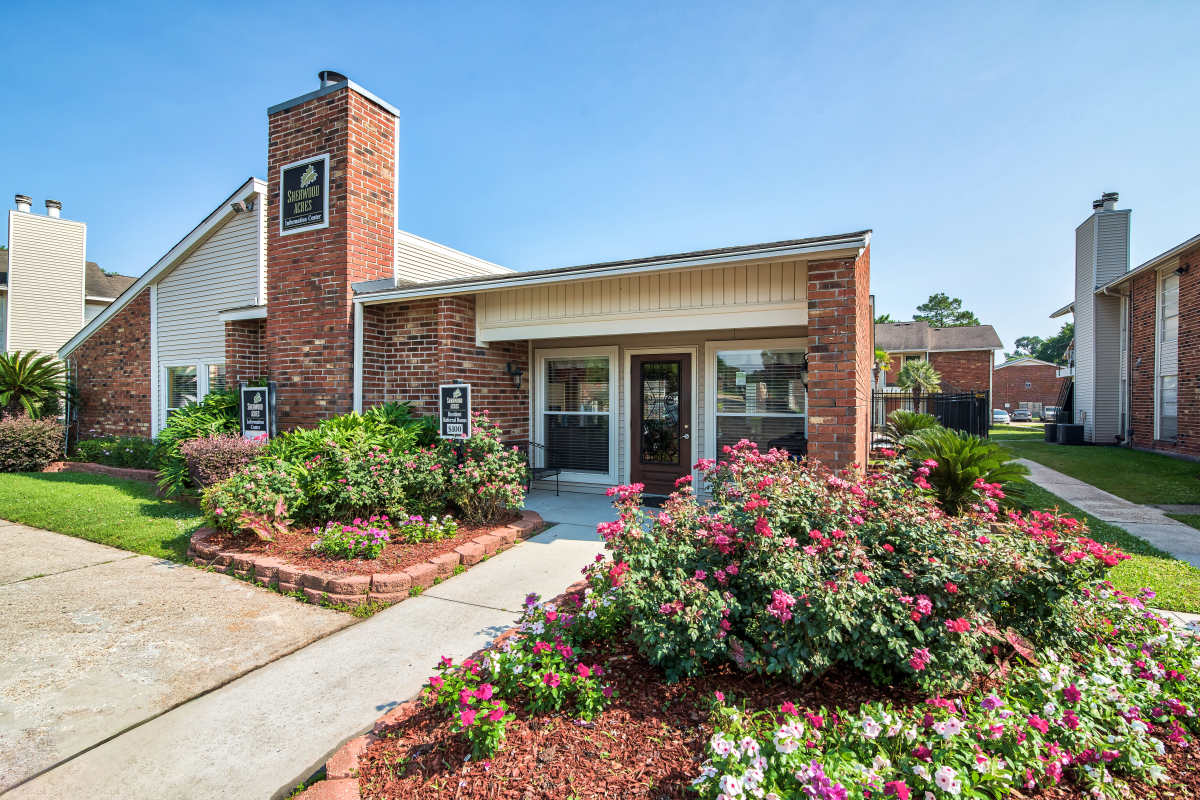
(970, 137)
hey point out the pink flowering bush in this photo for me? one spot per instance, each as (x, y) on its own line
(360, 477)
(490, 482)
(362, 538)
(793, 570)
(1097, 717)
(265, 489)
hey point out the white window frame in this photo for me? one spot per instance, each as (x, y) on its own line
(710, 382)
(1159, 326)
(614, 415)
(627, 401)
(202, 387)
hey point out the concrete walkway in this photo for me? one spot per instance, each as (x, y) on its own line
(260, 735)
(1145, 522)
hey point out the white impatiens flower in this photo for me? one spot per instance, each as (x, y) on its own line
(749, 746)
(1138, 727)
(1044, 675)
(871, 728)
(1050, 709)
(730, 785)
(948, 728)
(753, 777)
(881, 763)
(788, 738)
(721, 746)
(921, 772)
(947, 779)
(705, 774)
(1156, 773)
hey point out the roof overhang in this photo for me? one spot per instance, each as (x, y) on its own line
(1150, 265)
(1025, 362)
(848, 246)
(181, 250)
(246, 312)
(1069, 308)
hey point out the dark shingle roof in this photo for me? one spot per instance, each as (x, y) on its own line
(903, 336)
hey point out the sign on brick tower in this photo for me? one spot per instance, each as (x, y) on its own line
(303, 195)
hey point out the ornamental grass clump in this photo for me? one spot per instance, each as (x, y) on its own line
(1094, 718)
(793, 570)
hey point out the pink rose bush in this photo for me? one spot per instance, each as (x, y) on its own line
(793, 570)
(1104, 714)
(490, 482)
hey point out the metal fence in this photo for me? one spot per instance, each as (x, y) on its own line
(961, 411)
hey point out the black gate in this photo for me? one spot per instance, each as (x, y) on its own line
(961, 411)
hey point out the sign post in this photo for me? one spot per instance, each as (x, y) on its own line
(454, 410)
(256, 411)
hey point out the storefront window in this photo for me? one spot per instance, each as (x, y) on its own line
(761, 395)
(577, 414)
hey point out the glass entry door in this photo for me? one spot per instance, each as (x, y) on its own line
(661, 420)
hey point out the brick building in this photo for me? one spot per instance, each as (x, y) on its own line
(962, 355)
(1028, 383)
(628, 370)
(1137, 338)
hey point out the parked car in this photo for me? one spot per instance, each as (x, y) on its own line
(1021, 415)
(1000, 417)
(1049, 414)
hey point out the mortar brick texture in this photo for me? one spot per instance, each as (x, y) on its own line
(244, 354)
(841, 351)
(111, 371)
(1009, 385)
(309, 331)
(964, 371)
(1142, 343)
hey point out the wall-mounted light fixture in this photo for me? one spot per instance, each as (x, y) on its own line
(515, 373)
(1182, 269)
(238, 206)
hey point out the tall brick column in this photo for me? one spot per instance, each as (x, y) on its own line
(309, 330)
(840, 355)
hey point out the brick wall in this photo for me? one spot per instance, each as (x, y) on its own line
(411, 348)
(1009, 385)
(841, 351)
(112, 374)
(244, 354)
(309, 330)
(964, 371)
(1142, 327)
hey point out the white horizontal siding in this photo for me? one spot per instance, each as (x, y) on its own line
(45, 281)
(422, 261)
(770, 293)
(221, 273)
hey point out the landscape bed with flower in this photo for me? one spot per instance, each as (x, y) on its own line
(1033, 674)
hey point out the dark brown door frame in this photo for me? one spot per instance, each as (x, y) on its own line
(660, 478)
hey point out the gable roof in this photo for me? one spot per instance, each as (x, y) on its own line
(180, 251)
(98, 283)
(1026, 361)
(896, 337)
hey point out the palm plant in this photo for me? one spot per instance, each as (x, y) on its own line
(31, 383)
(919, 377)
(963, 459)
(901, 423)
(883, 362)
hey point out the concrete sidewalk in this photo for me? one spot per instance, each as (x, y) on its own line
(262, 734)
(1145, 522)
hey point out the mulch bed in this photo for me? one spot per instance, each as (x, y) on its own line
(295, 550)
(647, 744)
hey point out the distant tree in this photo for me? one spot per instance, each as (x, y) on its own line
(1028, 345)
(1053, 350)
(882, 318)
(943, 311)
(883, 362)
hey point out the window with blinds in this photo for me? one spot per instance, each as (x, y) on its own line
(576, 413)
(1168, 358)
(182, 387)
(761, 395)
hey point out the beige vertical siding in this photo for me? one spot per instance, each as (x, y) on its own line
(220, 274)
(668, 300)
(45, 278)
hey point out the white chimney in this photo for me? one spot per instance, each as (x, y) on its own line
(53, 209)
(24, 203)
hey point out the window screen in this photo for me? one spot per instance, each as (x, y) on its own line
(577, 417)
(216, 377)
(181, 387)
(761, 395)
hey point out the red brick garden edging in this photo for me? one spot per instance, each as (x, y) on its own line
(341, 768)
(353, 590)
(127, 473)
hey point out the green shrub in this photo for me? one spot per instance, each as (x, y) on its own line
(31, 384)
(131, 452)
(216, 414)
(490, 482)
(391, 427)
(901, 423)
(212, 459)
(27, 444)
(964, 463)
(265, 491)
(794, 571)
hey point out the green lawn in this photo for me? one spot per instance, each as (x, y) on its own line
(119, 513)
(1138, 477)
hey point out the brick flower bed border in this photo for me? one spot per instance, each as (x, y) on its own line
(126, 473)
(353, 590)
(341, 768)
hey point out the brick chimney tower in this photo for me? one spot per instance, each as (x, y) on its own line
(331, 221)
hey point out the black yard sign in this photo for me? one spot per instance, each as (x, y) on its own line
(454, 409)
(256, 409)
(304, 195)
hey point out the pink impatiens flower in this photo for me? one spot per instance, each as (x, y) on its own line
(959, 625)
(551, 679)
(919, 659)
(467, 717)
